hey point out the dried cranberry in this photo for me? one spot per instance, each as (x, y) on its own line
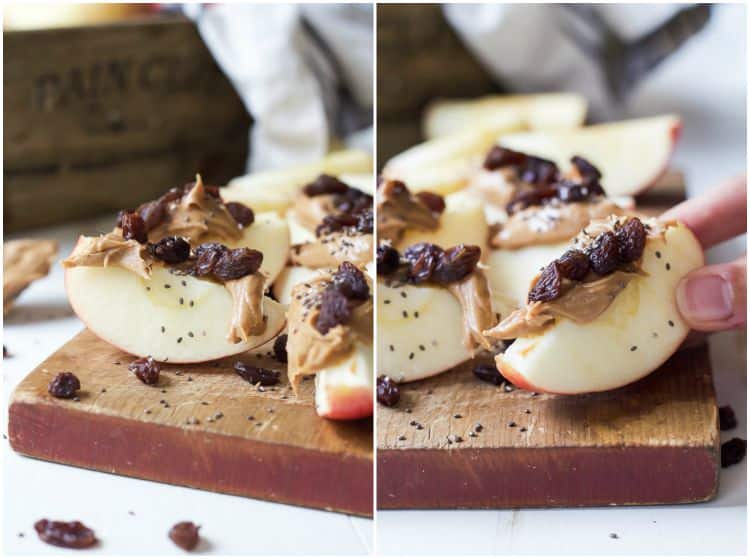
(365, 222)
(549, 285)
(586, 169)
(573, 265)
(133, 227)
(279, 349)
(604, 254)
(255, 375)
(388, 391)
(237, 263)
(207, 255)
(241, 213)
(334, 310)
(456, 263)
(185, 535)
(727, 419)
(74, 535)
(733, 451)
(325, 184)
(146, 369)
(152, 213)
(350, 281)
(488, 373)
(434, 202)
(423, 258)
(631, 239)
(334, 223)
(387, 260)
(499, 157)
(64, 385)
(171, 250)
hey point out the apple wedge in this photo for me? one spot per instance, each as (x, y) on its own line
(288, 278)
(275, 190)
(269, 234)
(180, 319)
(636, 334)
(345, 390)
(631, 154)
(420, 332)
(543, 111)
(462, 222)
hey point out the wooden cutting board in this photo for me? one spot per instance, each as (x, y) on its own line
(266, 445)
(655, 441)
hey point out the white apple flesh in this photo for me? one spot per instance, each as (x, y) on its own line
(345, 390)
(630, 154)
(634, 336)
(420, 332)
(180, 319)
(289, 277)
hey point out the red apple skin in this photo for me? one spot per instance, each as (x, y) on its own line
(514, 376)
(347, 403)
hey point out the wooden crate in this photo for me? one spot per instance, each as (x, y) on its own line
(101, 118)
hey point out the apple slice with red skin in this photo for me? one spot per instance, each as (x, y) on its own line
(634, 336)
(631, 154)
(345, 389)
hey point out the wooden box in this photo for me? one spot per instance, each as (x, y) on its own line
(101, 118)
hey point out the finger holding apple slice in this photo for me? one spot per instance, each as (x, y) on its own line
(604, 314)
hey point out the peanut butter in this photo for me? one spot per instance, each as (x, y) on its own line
(473, 294)
(397, 209)
(111, 249)
(247, 307)
(330, 250)
(24, 261)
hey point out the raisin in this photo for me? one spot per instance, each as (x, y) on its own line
(133, 227)
(64, 385)
(325, 184)
(456, 263)
(573, 265)
(388, 391)
(387, 260)
(353, 201)
(74, 535)
(365, 221)
(733, 451)
(488, 373)
(393, 188)
(568, 192)
(499, 157)
(334, 223)
(350, 281)
(152, 213)
(5, 352)
(146, 369)
(171, 250)
(434, 202)
(604, 254)
(727, 419)
(257, 375)
(279, 349)
(185, 535)
(172, 195)
(631, 239)
(237, 263)
(549, 285)
(334, 310)
(241, 213)
(207, 255)
(423, 258)
(531, 197)
(587, 171)
(539, 171)
(120, 215)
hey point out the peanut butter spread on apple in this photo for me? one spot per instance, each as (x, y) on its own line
(311, 210)
(198, 216)
(24, 261)
(552, 223)
(580, 285)
(111, 249)
(473, 294)
(398, 210)
(330, 250)
(247, 307)
(327, 316)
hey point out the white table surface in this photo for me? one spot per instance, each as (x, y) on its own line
(40, 323)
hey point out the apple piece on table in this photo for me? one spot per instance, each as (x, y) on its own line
(631, 154)
(633, 337)
(542, 111)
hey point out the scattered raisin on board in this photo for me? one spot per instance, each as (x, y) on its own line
(727, 419)
(256, 375)
(279, 349)
(74, 535)
(185, 535)
(488, 373)
(733, 452)
(146, 369)
(64, 385)
(388, 391)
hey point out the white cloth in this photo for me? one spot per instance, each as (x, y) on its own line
(290, 64)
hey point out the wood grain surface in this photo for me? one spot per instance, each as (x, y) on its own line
(202, 426)
(655, 441)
